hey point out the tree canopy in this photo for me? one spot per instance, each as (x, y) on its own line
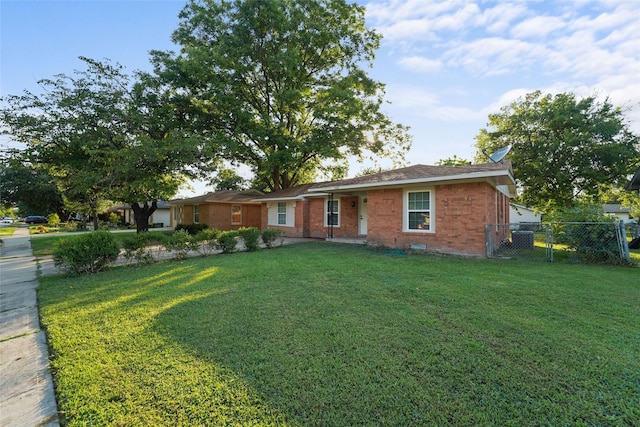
(104, 136)
(28, 188)
(228, 179)
(564, 148)
(280, 86)
(453, 161)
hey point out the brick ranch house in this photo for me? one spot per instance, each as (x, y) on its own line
(224, 210)
(437, 208)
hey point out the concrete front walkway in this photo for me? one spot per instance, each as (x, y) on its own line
(26, 387)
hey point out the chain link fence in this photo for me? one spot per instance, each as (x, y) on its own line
(588, 242)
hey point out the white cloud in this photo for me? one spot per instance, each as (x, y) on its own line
(383, 12)
(413, 29)
(625, 13)
(467, 16)
(498, 19)
(420, 64)
(415, 20)
(426, 102)
(500, 51)
(580, 55)
(505, 99)
(537, 27)
(495, 56)
(407, 96)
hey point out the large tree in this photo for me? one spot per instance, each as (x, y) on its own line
(564, 148)
(279, 85)
(104, 135)
(228, 179)
(32, 190)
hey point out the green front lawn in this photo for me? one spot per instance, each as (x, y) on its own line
(7, 231)
(45, 244)
(334, 335)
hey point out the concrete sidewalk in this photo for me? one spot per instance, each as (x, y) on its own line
(26, 388)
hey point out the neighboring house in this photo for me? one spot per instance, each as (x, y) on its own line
(634, 183)
(438, 208)
(616, 210)
(161, 216)
(224, 210)
(523, 214)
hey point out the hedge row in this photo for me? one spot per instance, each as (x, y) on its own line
(93, 252)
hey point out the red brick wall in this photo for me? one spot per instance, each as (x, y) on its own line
(348, 218)
(384, 217)
(310, 219)
(300, 227)
(187, 215)
(251, 215)
(218, 215)
(461, 211)
(460, 214)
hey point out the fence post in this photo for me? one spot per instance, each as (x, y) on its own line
(622, 241)
(549, 241)
(488, 239)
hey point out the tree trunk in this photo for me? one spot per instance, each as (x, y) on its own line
(94, 217)
(141, 214)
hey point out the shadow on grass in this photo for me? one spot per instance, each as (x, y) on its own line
(376, 346)
(321, 334)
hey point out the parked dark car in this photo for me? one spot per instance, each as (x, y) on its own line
(35, 219)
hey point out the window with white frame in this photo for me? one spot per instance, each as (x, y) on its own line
(236, 214)
(332, 213)
(418, 211)
(196, 214)
(282, 213)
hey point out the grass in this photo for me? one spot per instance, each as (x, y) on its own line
(7, 231)
(45, 244)
(321, 334)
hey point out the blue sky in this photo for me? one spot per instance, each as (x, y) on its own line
(447, 64)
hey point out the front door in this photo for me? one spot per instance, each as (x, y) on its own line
(362, 216)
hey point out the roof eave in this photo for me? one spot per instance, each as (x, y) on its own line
(291, 198)
(423, 180)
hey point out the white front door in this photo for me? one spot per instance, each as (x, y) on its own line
(362, 216)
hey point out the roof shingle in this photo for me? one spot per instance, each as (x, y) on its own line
(417, 172)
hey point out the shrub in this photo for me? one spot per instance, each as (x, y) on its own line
(192, 229)
(136, 248)
(114, 218)
(69, 226)
(87, 253)
(180, 243)
(250, 236)
(587, 230)
(158, 240)
(227, 241)
(156, 237)
(270, 235)
(53, 220)
(207, 240)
